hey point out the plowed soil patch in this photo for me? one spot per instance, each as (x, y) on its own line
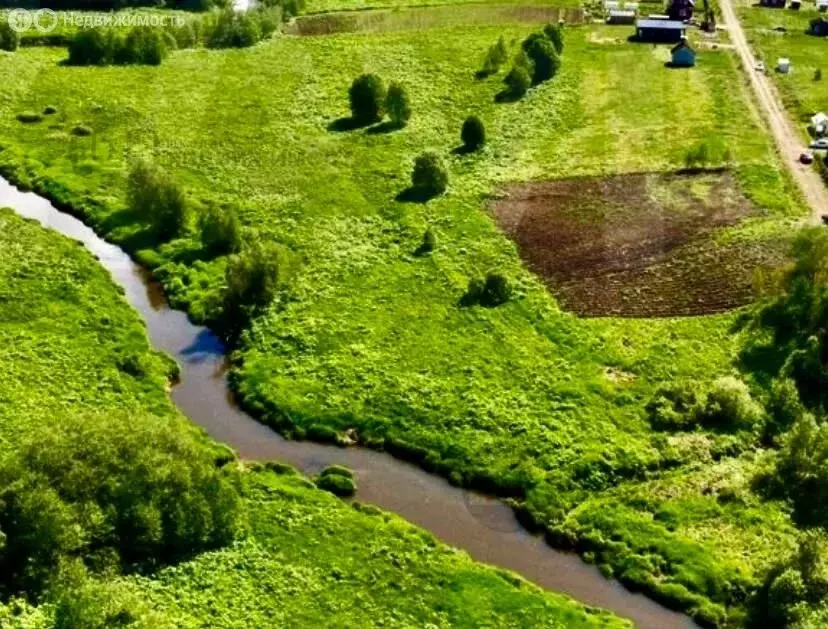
(637, 245)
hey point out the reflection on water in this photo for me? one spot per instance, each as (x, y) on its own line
(485, 527)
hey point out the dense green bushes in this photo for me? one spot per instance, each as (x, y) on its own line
(9, 38)
(109, 493)
(367, 98)
(398, 105)
(96, 46)
(251, 280)
(538, 61)
(473, 133)
(496, 56)
(429, 177)
(220, 229)
(338, 480)
(157, 199)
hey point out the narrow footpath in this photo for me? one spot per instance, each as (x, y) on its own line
(784, 131)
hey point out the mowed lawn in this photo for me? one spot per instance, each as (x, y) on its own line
(523, 398)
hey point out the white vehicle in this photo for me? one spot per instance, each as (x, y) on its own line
(760, 66)
(821, 144)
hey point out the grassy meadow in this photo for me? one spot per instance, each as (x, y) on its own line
(524, 399)
(305, 557)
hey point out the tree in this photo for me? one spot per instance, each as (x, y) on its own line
(818, 74)
(92, 46)
(496, 290)
(367, 97)
(220, 229)
(142, 45)
(473, 133)
(518, 81)
(398, 105)
(429, 176)
(496, 56)
(251, 277)
(9, 38)
(543, 55)
(555, 34)
(153, 194)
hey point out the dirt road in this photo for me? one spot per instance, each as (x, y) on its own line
(784, 130)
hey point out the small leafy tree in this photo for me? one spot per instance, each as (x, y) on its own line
(545, 59)
(818, 74)
(153, 194)
(473, 133)
(220, 230)
(555, 34)
(92, 47)
(397, 105)
(251, 277)
(142, 45)
(367, 97)
(496, 290)
(518, 81)
(496, 56)
(9, 38)
(429, 176)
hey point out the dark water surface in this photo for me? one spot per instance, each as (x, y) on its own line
(484, 527)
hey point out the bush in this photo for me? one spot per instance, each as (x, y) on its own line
(251, 277)
(92, 47)
(142, 45)
(785, 592)
(474, 292)
(186, 35)
(110, 493)
(9, 38)
(496, 56)
(220, 230)
(367, 98)
(235, 29)
(153, 195)
(473, 134)
(496, 290)
(429, 243)
(81, 130)
(337, 469)
(818, 74)
(674, 406)
(397, 105)
(29, 117)
(429, 176)
(336, 484)
(730, 405)
(49, 110)
(544, 57)
(555, 34)
(518, 81)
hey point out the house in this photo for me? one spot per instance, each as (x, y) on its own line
(681, 10)
(683, 56)
(776, 4)
(660, 31)
(621, 17)
(783, 65)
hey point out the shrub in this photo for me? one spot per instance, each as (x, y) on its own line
(473, 133)
(674, 406)
(730, 405)
(251, 277)
(367, 98)
(29, 117)
(429, 176)
(518, 81)
(496, 56)
(220, 229)
(91, 46)
(496, 290)
(544, 57)
(818, 74)
(784, 593)
(142, 45)
(153, 195)
(9, 38)
(397, 105)
(555, 34)
(337, 469)
(138, 490)
(336, 484)
(474, 292)
(429, 243)
(49, 110)
(81, 130)
(186, 35)
(235, 29)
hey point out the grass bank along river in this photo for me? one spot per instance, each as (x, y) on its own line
(485, 527)
(75, 354)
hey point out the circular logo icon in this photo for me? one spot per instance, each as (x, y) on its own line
(20, 20)
(45, 20)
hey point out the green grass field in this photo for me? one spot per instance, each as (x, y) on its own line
(523, 399)
(307, 556)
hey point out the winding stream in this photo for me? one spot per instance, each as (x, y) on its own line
(483, 526)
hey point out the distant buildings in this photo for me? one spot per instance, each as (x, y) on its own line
(783, 65)
(621, 16)
(659, 30)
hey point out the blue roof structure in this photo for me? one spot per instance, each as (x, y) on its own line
(667, 25)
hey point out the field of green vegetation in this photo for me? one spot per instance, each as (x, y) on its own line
(369, 337)
(802, 92)
(76, 357)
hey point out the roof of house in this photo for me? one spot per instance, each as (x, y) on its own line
(682, 44)
(621, 13)
(667, 25)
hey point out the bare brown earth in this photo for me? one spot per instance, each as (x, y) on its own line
(637, 245)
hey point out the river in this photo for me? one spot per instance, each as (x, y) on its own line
(483, 526)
